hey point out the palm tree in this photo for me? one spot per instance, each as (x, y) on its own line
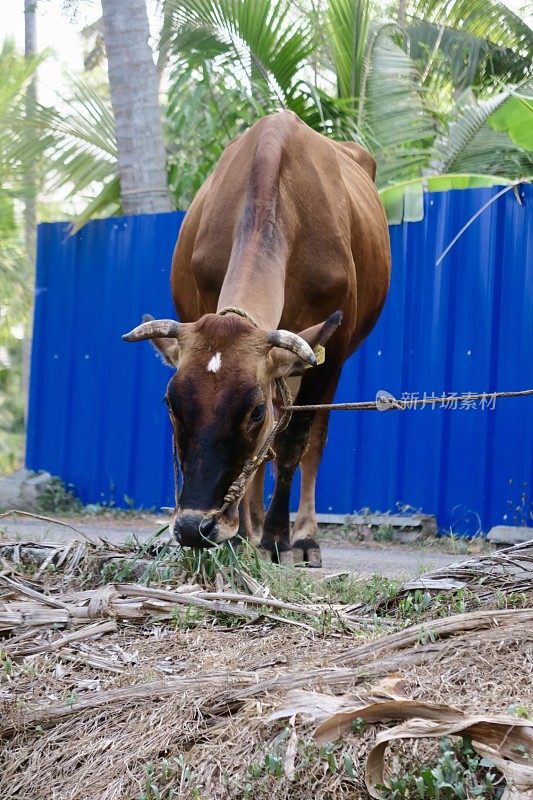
(134, 95)
(30, 204)
(365, 83)
(345, 74)
(16, 74)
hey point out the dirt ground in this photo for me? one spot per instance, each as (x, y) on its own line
(339, 553)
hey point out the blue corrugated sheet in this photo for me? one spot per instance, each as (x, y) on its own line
(98, 421)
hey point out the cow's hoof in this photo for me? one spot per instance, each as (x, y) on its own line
(284, 557)
(263, 553)
(306, 553)
(275, 555)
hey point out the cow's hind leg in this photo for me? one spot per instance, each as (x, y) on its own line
(305, 547)
(318, 386)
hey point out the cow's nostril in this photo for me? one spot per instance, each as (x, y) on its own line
(207, 525)
(195, 530)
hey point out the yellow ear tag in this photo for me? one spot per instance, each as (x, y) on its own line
(320, 355)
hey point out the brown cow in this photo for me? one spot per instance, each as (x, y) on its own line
(289, 231)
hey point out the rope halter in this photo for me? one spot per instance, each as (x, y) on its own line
(265, 453)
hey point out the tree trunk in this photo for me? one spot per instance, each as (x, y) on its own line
(401, 13)
(134, 96)
(30, 203)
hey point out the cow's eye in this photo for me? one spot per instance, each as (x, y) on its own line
(258, 414)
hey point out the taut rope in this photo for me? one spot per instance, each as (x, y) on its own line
(238, 488)
(388, 402)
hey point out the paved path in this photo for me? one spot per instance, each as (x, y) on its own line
(391, 560)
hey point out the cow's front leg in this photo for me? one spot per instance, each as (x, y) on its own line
(289, 447)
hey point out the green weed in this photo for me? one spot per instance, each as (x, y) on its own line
(6, 664)
(459, 773)
(520, 710)
(58, 499)
(166, 778)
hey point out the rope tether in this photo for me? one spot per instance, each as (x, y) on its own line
(238, 488)
(387, 402)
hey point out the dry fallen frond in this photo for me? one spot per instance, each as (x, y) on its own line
(508, 571)
(503, 739)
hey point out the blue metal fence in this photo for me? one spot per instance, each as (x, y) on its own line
(96, 415)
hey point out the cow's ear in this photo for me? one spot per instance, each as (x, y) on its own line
(164, 335)
(319, 334)
(169, 350)
(285, 362)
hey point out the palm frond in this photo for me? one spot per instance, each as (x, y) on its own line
(15, 75)
(471, 117)
(75, 141)
(261, 39)
(404, 201)
(348, 24)
(396, 124)
(489, 20)
(107, 203)
(456, 55)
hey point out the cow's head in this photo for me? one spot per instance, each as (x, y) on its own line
(221, 406)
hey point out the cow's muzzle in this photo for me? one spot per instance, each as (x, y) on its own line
(198, 529)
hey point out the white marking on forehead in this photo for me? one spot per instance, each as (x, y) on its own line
(215, 363)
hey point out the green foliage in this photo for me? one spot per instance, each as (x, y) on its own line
(348, 24)
(15, 273)
(358, 725)
(516, 118)
(121, 572)
(346, 72)
(350, 75)
(464, 43)
(165, 779)
(262, 41)
(397, 125)
(459, 773)
(76, 142)
(414, 604)
(15, 301)
(520, 710)
(268, 767)
(6, 664)
(469, 145)
(206, 109)
(15, 74)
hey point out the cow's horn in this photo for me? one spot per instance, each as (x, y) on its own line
(294, 343)
(154, 329)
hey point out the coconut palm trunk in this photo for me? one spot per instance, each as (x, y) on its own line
(30, 189)
(134, 96)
